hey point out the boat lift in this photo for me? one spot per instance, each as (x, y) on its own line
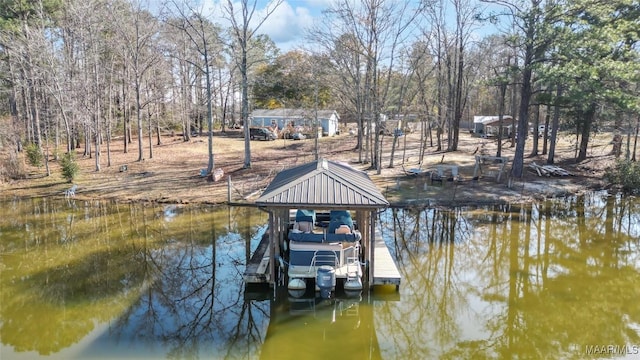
(322, 185)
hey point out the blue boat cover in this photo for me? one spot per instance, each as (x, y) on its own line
(322, 257)
(306, 237)
(337, 218)
(306, 215)
(319, 238)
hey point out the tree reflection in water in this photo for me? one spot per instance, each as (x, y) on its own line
(195, 301)
(539, 280)
(149, 280)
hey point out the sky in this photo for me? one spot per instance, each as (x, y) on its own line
(286, 25)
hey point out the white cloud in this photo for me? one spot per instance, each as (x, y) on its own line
(286, 25)
(315, 3)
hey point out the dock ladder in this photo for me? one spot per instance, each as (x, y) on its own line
(353, 268)
(353, 265)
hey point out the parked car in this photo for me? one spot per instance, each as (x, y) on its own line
(298, 136)
(261, 134)
(541, 129)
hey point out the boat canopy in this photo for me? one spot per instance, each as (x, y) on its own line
(322, 184)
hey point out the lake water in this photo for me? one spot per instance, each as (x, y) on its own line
(97, 280)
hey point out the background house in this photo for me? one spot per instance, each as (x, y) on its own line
(490, 125)
(303, 119)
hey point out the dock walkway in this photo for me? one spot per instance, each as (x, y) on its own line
(385, 271)
(257, 270)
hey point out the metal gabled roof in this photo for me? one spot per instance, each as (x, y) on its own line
(289, 113)
(322, 184)
(487, 120)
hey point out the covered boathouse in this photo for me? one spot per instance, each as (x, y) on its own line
(322, 185)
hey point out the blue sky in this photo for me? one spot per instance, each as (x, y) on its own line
(286, 26)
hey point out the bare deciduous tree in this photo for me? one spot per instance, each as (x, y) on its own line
(373, 33)
(141, 54)
(204, 36)
(241, 19)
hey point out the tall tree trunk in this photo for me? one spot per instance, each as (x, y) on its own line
(525, 97)
(150, 130)
(450, 107)
(158, 136)
(459, 105)
(96, 135)
(139, 117)
(589, 116)
(125, 111)
(501, 101)
(108, 117)
(635, 139)
(97, 114)
(545, 135)
(88, 137)
(46, 153)
(185, 102)
(209, 92)
(514, 97)
(245, 105)
(13, 102)
(523, 115)
(536, 130)
(554, 127)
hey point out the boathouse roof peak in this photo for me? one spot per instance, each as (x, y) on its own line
(322, 184)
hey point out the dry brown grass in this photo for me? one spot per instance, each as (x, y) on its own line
(173, 174)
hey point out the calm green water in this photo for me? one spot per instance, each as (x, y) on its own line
(95, 280)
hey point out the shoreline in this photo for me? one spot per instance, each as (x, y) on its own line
(172, 176)
(454, 196)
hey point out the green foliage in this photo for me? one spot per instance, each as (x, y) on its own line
(13, 12)
(34, 155)
(291, 81)
(70, 167)
(625, 173)
(596, 57)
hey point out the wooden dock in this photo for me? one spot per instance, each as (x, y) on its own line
(385, 271)
(257, 270)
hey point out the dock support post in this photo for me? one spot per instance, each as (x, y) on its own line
(272, 250)
(371, 241)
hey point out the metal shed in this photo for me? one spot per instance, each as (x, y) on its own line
(489, 125)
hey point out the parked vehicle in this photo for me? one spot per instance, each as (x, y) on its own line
(541, 130)
(261, 134)
(298, 136)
